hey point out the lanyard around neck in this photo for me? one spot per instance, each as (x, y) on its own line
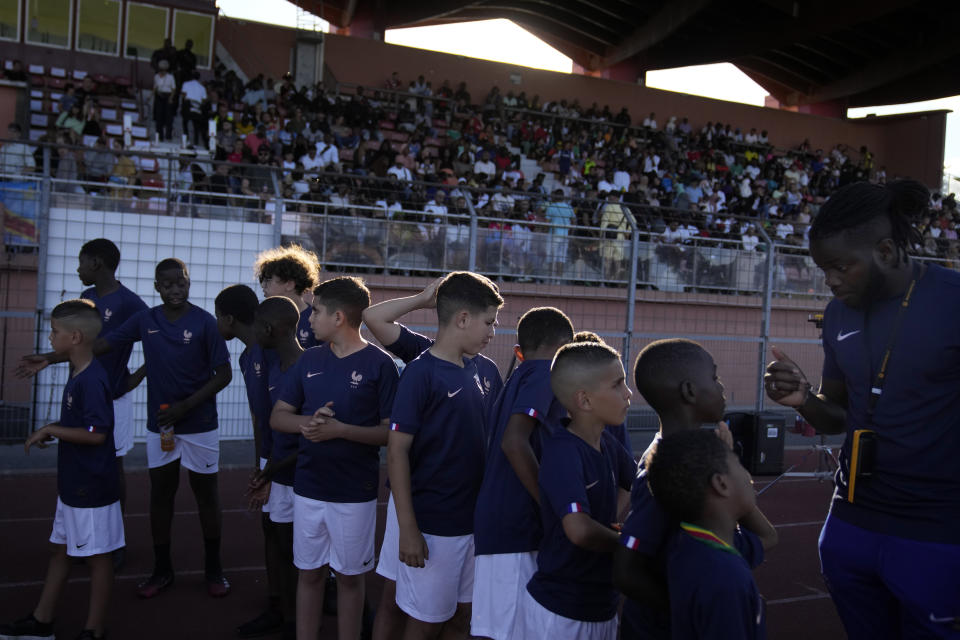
(707, 537)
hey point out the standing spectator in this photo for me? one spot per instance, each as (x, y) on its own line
(166, 53)
(16, 158)
(194, 107)
(164, 87)
(614, 222)
(186, 63)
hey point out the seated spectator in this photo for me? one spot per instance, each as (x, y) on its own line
(91, 123)
(69, 97)
(16, 158)
(401, 172)
(327, 154)
(16, 74)
(749, 238)
(237, 155)
(485, 166)
(253, 141)
(650, 122)
(98, 162)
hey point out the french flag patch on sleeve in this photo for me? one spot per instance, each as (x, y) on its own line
(533, 413)
(575, 507)
(394, 426)
(631, 543)
(91, 429)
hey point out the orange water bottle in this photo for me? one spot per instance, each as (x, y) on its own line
(166, 433)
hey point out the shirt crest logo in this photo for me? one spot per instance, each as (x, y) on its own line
(304, 334)
(355, 379)
(107, 314)
(256, 368)
(69, 401)
(486, 384)
(187, 334)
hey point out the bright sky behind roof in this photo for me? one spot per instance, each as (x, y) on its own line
(472, 39)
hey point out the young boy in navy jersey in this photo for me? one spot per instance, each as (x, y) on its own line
(507, 527)
(381, 320)
(338, 397)
(700, 482)
(276, 330)
(187, 365)
(97, 268)
(678, 379)
(88, 521)
(234, 308)
(618, 431)
(291, 272)
(435, 459)
(582, 472)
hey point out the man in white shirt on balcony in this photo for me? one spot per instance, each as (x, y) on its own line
(403, 174)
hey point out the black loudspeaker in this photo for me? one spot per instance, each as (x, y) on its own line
(758, 440)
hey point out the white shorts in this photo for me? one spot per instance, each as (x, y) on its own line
(431, 594)
(123, 424)
(88, 531)
(339, 534)
(499, 582)
(390, 549)
(280, 503)
(199, 452)
(536, 621)
(265, 508)
(558, 248)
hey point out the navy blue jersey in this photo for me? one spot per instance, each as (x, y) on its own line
(180, 357)
(621, 435)
(914, 491)
(442, 406)
(411, 344)
(87, 475)
(361, 386)
(507, 519)
(576, 478)
(115, 308)
(304, 332)
(712, 592)
(254, 367)
(283, 444)
(647, 530)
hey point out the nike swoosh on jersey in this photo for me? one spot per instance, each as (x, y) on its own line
(271, 388)
(453, 393)
(153, 330)
(841, 336)
(315, 373)
(592, 484)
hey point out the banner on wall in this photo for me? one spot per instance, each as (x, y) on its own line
(18, 201)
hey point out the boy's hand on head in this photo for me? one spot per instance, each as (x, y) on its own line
(784, 382)
(723, 432)
(30, 365)
(39, 438)
(413, 548)
(172, 414)
(428, 297)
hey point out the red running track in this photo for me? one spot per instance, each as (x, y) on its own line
(797, 604)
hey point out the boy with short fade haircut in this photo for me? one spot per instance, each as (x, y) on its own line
(618, 431)
(187, 364)
(583, 472)
(435, 460)
(700, 482)
(88, 522)
(234, 308)
(290, 271)
(381, 320)
(507, 527)
(338, 397)
(678, 379)
(98, 262)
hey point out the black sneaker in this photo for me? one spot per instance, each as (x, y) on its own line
(270, 621)
(28, 628)
(152, 586)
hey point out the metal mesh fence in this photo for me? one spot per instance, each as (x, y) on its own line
(617, 272)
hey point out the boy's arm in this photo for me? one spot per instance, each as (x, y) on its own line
(222, 375)
(323, 426)
(135, 378)
(758, 524)
(635, 576)
(67, 434)
(285, 418)
(34, 363)
(520, 455)
(381, 318)
(585, 532)
(413, 547)
(272, 469)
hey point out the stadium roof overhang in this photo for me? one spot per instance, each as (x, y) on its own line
(855, 52)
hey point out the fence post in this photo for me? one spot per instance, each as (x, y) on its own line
(43, 229)
(765, 316)
(631, 287)
(474, 231)
(278, 210)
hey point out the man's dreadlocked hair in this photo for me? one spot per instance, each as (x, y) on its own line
(901, 202)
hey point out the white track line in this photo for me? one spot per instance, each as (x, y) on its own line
(127, 577)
